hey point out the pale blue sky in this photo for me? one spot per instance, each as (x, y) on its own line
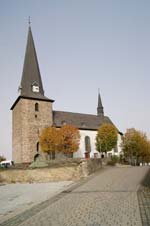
(82, 45)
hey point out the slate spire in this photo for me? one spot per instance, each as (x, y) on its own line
(100, 111)
(31, 82)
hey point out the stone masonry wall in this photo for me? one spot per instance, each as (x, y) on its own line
(17, 133)
(59, 173)
(27, 125)
(89, 166)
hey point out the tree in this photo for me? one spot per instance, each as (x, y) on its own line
(106, 138)
(65, 140)
(145, 155)
(2, 158)
(50, 140)
(135, 146)
(70, 139)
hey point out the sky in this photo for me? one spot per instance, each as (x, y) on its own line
(82, 45)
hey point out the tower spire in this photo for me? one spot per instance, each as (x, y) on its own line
(100, 111)
(31, 82)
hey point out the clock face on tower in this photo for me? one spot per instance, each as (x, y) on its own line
(35, 89)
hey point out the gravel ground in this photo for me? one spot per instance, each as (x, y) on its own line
(15, 198)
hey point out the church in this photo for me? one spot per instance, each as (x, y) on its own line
(32, 111)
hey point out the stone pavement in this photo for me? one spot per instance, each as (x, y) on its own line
(109, 198)
(144, 200)
(16, 198)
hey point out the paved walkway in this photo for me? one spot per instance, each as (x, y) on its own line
(107, 199)
(144, 200)
(16, 198)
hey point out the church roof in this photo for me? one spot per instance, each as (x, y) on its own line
(31, 74)
(81, 121)
(31, 98)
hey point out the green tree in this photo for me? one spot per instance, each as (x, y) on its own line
(106, 138)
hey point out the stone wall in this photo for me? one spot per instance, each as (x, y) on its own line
(27, 125)
(74, 172)
(89, 166)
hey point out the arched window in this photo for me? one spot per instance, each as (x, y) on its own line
(37, 147)
(87, 144)
(36, 107)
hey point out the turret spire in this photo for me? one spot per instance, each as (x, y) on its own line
(100, 111)
(31, 82)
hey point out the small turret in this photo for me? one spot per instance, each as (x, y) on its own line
(100, 111)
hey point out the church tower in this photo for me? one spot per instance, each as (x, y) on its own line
(32, 111)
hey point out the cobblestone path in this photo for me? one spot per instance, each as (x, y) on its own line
(144, 200)
(107, 199)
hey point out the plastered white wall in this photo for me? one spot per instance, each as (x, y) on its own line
(92, 134)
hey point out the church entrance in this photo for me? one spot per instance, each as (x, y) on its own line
(37, 156)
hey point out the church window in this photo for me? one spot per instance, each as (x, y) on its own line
(37, 147)
(87, 144)
(35, 89)
(36, 107)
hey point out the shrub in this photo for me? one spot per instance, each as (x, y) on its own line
(38, 164)
(114, 159)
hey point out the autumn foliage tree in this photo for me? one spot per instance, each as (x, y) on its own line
(135, 146)
(65, 140)
(106, 138)
(50, 140)
(70, 139)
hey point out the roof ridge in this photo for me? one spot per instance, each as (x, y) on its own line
(74, 113)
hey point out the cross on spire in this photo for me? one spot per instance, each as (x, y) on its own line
(29, 21)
